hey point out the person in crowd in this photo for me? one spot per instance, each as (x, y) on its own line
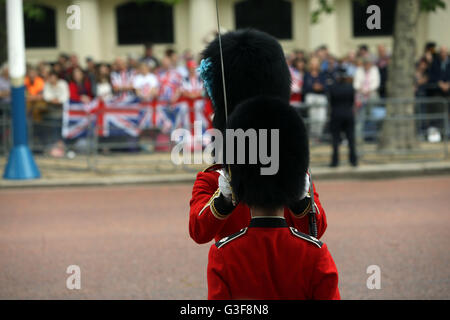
(176, 63)
(349, 64)
(331, 71)
(421, 88)
(382, 64)
(314, 89)
(323, 55)
(34, 88)
(62, 59)
(169, 78)
(421, 78)
(149, 58)
(429, 52)
(299, 54)
(145, 83)
(80, 87)
(122, 79)
(363, 51)
(432, 58)
(342, 119)
(74, 63)
(133, 62)
(366, 84)
(366, 81)
(56, 90)
(58, 68)
(444, 72)
(297, 71)
(169, 115)
(182, 67)
(103, 80)
(5, 95)
(5, 86)
(192, 86)
(56, 94)
(290, 57)
(91, 72)
(44, 70)
(70, 63)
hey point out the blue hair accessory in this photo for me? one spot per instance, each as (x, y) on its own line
(205, 73)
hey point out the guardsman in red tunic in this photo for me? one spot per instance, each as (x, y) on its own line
(254, 64)
(268, 259)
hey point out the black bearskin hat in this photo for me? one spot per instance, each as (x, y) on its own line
(284, 187)
(254, 65)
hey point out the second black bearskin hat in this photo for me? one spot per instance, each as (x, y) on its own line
(285, 186)
(254, 64)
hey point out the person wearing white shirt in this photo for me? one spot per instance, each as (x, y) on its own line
(366, 80)
(56, 94)
(56, 91)
(145, 83)
(366, 83)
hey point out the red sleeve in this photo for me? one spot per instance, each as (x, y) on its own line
(217, 286)
(73, 90)
(301, 221)
(324, 284)
(203, 224)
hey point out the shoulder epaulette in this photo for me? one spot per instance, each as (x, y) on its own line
(225, 240)
(306, 237)
(213, 167)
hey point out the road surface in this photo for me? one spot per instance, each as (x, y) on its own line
(132, 242)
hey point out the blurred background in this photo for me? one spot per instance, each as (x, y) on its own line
(106, 84)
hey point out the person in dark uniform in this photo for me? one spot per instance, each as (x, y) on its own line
(268, 259)
(342, 118)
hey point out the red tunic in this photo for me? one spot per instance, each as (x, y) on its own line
(269, 260)
(205, 226)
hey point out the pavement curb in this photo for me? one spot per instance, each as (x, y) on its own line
(383, 171)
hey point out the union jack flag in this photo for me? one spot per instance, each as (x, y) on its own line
(126, 115)
(78, 118)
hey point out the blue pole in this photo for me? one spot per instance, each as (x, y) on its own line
(20, 163)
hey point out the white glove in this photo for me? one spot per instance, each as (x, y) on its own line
(305, 192)
(224, 185)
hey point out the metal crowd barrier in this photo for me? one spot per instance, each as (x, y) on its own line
(94, 152)
(430, 112)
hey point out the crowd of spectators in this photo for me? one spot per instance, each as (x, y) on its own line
(314, 74)
(49, 85)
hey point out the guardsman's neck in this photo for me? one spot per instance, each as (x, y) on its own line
(263, 212)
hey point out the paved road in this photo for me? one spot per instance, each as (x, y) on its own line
(132, 242)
